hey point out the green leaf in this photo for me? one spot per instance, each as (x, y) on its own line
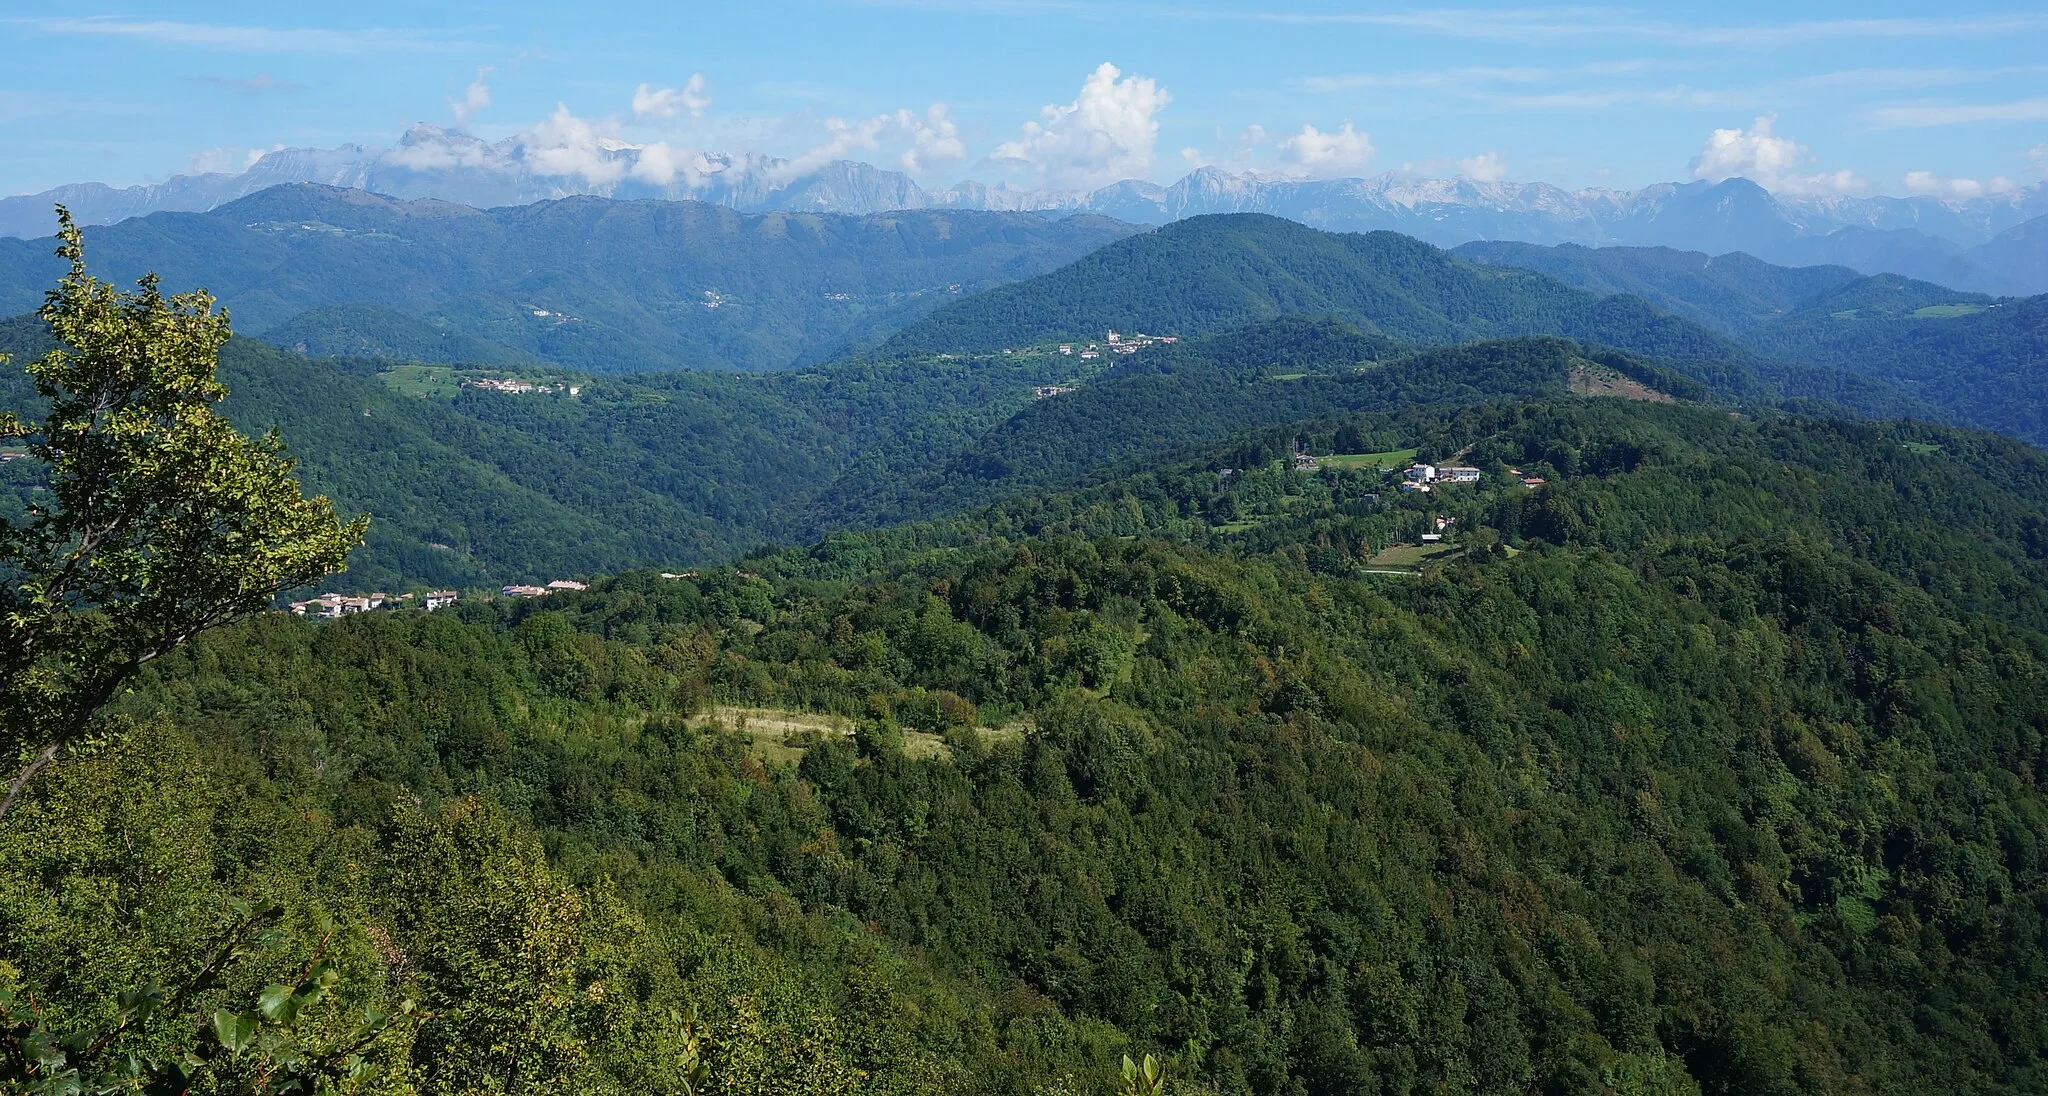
(235, 1030)
(278, 1004)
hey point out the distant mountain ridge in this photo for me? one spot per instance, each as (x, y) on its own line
(602, 285)
(1982, 244)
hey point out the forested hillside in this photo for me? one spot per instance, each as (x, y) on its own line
(1732, 294)
(1709, 766)
(1208, 274)
(1965, 357)
(598, 285)
(476, 487)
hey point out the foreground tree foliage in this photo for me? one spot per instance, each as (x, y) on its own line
(158, 519)
(155, 521)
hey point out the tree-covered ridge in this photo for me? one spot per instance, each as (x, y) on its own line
(592, 284)
(1960, 357)
(1732, 294)
(1709, 766)
(1208, 274)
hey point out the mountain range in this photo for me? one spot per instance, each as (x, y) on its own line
(597, 284)
(1993, 244)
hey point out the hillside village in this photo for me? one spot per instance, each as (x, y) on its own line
(513, 387)
(331, 606)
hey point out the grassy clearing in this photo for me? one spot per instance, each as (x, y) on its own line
(1286, 376)
(1392, 458)
(422, 381)
(777, 735)
(1592, 380)
(1924, 449)
(1946, 311)
(1412, 555)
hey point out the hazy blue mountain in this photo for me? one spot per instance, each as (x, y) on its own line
(1731, 293)
(603, 285)
(1916, 236)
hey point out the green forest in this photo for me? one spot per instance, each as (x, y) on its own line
(1711, 767)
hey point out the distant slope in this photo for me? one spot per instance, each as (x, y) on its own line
(1731, 294)
(372, 331)
(607, 286)
(1209, 274)
(1210, 391)
(1979, 359)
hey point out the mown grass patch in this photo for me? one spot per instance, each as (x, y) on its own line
(1392, 458)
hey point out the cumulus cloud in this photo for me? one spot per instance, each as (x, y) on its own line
(653, 102)
(1107, 133)
(1768, 160)
(567, 145)
(1339, 152)
(1487, 167)
(475, 99)
(227, 161)
(934, 139)
(1927, 182)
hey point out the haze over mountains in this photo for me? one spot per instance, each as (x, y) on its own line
(1985, 244)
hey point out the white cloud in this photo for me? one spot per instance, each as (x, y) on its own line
(1106, 134)
(1927, 182)
(1341, 152)
(567, 145)
(2039, 156)
(1768, 160)
(475, 98)
(1917, 117)
(371, 40)
(262, 83)
(652, 102)
(1238, 152)
(1487, 167)
(227, 161)
(934, 140)
(841, 138)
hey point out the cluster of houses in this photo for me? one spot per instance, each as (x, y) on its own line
(1048, 391)
(519, 388)
(1118, 343)
(1424, 477)
(329, 606)
(555, 587)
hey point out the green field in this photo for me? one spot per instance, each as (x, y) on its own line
(1412, 555)
(1920, 447)
(423, 381)
(1287, 376)
(1946, 311)
(1392, 458)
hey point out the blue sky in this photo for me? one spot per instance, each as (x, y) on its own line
(1870, 97)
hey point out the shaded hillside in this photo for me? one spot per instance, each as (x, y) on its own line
(1731, 294)
(1977, 359)
(600, 285)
